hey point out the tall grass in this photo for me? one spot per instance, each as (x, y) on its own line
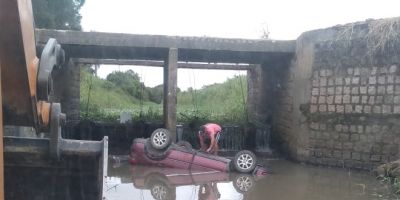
(223, 103)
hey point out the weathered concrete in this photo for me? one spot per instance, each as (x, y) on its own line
(343, 91)
(67, 89)
(155, 47)
(170, 89)
(154, 63)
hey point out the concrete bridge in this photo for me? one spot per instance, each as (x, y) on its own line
(170, 52)
(332, 96)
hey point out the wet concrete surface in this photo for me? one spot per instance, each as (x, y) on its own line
(286, 181)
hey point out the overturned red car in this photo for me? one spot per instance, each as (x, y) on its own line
(158, 150)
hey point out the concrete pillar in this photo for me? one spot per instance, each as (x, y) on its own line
(67, 89)
(170, 89)
(255, 97)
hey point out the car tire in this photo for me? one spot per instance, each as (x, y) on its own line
(160, 138)
(245, 161)
(153, 153)
(243, 183)
(185, 144)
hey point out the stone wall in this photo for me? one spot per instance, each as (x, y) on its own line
(340, 105)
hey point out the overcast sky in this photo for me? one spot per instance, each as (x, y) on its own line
(284, 19)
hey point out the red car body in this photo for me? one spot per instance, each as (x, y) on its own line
(181, 157)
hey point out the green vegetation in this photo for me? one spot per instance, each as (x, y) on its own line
(57, 14)
(104, 100)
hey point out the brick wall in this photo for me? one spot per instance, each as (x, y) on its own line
(340, 105)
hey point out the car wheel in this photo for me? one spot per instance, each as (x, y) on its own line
(245, 161)
(160, 138)
(153, 153)
(185, 144)
(243, 183)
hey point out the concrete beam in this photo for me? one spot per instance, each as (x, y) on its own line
(155, 47)
(170, 89)
(155, 63)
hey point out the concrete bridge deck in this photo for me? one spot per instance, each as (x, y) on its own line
(100, 45)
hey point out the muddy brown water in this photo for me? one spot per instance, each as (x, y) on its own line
(286, 181)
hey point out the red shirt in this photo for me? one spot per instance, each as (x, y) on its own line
(212, 129)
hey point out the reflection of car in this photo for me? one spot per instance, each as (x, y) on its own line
(162, 181)
(158, 150)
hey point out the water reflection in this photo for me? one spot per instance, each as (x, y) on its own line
(288, 181)
(169, 183)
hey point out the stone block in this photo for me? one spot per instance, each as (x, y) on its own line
(314, 99)
(364, 99)
(316, 74)
(347, 81)
(397, 79)
(397, 89)
(330, 99)
(315, 91)
(365, 157)
(313, 108)
(346, 99)
(322, 127)
(345, 128)
(315, 82)
(377, 109)
(331, 91)
(374, 70)
(350, 71)
(367, 109)
(368, 129)
(372, 80)
(338, 127)
(339, 90)
(322, 91)
(386, 109)
(337, 154)
(381, 89)
(355, 99)
(322, 81)
(322, 108)
(371, 100)
(376, 128)
(360, 129)
(339, 81)
(339, 108)
(331, 81)
(354, 137)
(388, 99)
(322, 72)
(379, 99)
(396, 109)
(375, 158)
(383, 70)
(355, 80)
(393, 69)
(322, 100)
(353, 128)
(344, 137)
(348, 108)
(396, 100)
(346, 90)
(363, 90)
(338, 99)
(346, 154)
(381, 80)
(355, 156)
(355, 90)
(390, 89)
(371, 90)
(331, 108)
(390, 79)
(356, 71)
(358, 108)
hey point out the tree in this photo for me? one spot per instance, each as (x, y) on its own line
(128, 81)
(57, 14)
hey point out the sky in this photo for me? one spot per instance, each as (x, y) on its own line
(283, 19)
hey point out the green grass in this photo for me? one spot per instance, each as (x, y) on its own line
(102, 100)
